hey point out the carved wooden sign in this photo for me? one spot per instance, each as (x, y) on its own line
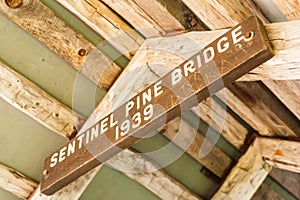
(226, 59)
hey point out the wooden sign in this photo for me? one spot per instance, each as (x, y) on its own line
(226, 59)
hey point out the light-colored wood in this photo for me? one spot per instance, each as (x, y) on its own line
(290, 8)
(282, 154)
(223, 13)
(33, 101)
(245, 177)
(146, 173)
(143, 18)
(73, 191)
(285, 39)
(16, 183)
(43, 24)
(106, 23)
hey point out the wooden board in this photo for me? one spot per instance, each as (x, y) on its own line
(258, 54)
(43, 24)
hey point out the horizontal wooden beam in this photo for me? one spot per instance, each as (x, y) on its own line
(16, 183)
(42, 23)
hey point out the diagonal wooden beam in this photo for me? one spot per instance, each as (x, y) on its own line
(16, 183)
(246, 176)
(42, 23)
(252, 168)
(290, 8)
(36, 103)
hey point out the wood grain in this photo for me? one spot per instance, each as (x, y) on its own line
(36, 103)
(16, 183)
(290, 8)
(223, 13)
(106, 23)
(43, 24)
(245, 177)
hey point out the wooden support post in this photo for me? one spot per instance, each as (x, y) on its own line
(16, 183)
(245, 177)
(43, 24)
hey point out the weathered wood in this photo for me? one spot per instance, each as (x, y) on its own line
(287, 92)
(290, 8)
(285, 40)
(72, 191)
(181, 133)
(269, 110)
(289, 180)
(106, 23)
(43, 24)
(147, 174)
(16, 183)
(246, 176)
(282, 154)
(265, 192)
(224, 13)
(33, 101)
(151, 20)
(92, 154)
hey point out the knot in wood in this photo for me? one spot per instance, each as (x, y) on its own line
(14, 3)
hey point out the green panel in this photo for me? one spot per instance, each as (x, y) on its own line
(4, 195)
(40, 65)
(184, 169)
(24, 142)
(110, 184)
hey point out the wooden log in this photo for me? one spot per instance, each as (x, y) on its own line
(106, 23)
(16, 183)
(150, 19)
(43, 24)
(246, 176)
(224, 13)
(33, 101)
(290, 8)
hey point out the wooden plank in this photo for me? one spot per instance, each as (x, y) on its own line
(106, 23)
(113, 140)
(289, 180)
(290, 8)
(282, 154)
(183, 135)
(287, 92)
(43, 24)
(285, 40)
(265, 192)
(16, 183)
(263, 103)
(224, 13)
(246, 176)
(33, 101)
(149, 17)
(145, 172)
